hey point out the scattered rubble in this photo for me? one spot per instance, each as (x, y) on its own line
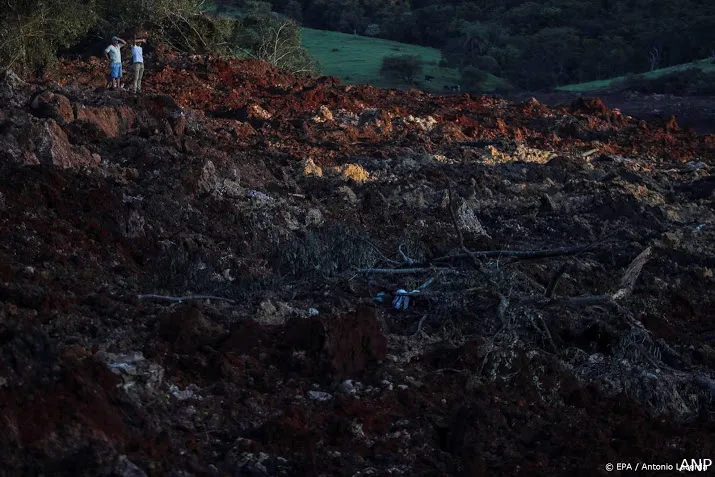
(242, 272)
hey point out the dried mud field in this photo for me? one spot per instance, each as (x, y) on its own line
(559, 262)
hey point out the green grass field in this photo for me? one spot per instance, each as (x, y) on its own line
(592, 86)
(357, 59)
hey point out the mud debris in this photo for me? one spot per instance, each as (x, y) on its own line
(277, 208)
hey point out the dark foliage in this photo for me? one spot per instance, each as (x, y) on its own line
(405, 67)
(535, 44)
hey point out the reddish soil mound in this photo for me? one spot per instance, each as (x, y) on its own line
(303, 211)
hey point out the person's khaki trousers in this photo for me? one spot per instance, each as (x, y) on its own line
(138, 74)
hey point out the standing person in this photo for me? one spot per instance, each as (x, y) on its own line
(138, 61)
(113, 53)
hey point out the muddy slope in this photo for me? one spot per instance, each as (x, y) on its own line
(301, 207)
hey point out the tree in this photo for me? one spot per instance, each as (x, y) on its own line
(279, 45)
(31, 31)
(372, 29)
(272, 38)
(402, 67)
(182, 24)
(654, 56)
(473, 79)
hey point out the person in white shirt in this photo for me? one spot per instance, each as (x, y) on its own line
(113, 53)
(138, 61)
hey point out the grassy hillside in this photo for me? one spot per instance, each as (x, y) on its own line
(592, 86)
(357, 59)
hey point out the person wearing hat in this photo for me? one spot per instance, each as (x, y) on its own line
(113, 54)
(138, 61)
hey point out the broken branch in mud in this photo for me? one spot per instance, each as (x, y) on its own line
(555, 280)
(453, 214)
(632, 273)
(404, 256)
(521, 254)
(398, 271)
(419, 327)
(180, 299)
(548, 334)
(626, 286)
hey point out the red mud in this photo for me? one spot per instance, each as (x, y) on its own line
(233, 179)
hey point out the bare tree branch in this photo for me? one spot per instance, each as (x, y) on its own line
(401, 271)
(520, 254)
(179, 299)
(555, 280)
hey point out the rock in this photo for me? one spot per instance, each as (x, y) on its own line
(426, 124)
(324, 114)
(208, 179)
(310, 168)
(112, 121)
(126, 468)
(53, 106)
(261, 197)
(163, 109)
(695, 165)
(671, 239)
(268, 308)
(9, 79)
(313, 217)
(13, 90)
(376, 117)
(134, 226)
(142, 378)
(184, 394)
(179, 125)
(353, 172)
(256, 111)
(348, 387)
(273, 314)
(492, 154)
(348, 195)
(319, 396)
(45, 142)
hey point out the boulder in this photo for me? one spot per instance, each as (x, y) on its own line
(13, 90)
(30, 141)
(53, 147)
(53, 106)
(113, 121)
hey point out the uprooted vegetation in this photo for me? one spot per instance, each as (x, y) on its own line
(247, 272)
